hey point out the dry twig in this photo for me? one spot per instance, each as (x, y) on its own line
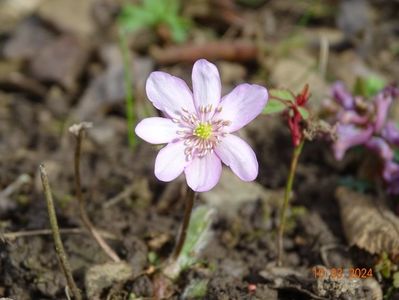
(59, 247)
(78, 130)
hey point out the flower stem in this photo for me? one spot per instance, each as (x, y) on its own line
(83, 215)
(190, 196)
(287, 194)
(59, 247)
(130, 113)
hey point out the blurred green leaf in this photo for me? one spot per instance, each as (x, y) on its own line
(274, 106)
(152, 13)
(196, 289)
(304, 113)
(369, 86)
(396, 155)
(178, 27)
(384, 266)
(396, 280)
(282, 94)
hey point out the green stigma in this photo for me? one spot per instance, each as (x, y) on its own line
(203, 130)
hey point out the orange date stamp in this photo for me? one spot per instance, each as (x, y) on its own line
(341, 273)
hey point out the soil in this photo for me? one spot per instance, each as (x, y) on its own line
(49, 87)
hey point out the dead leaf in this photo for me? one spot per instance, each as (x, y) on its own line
(368, 224)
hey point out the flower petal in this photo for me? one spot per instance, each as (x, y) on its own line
(239, 156)
(391, 133)
(380, 146)
(382, 103)
(202, 174)
(206, 84)
(169, 93)
(157, 130)
(242, 105)
(170, 161)
(342, 96)
(349, 136)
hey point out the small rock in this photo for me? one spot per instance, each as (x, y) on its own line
(103, 276)
(29, 38)
(235, 192)
(61, 61)
(108, 88)
(69, 16)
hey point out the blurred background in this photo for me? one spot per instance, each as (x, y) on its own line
(64, 62)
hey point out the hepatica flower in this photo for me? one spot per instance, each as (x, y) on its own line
(198, 126)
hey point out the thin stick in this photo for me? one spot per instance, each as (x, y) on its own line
(83, 215)
(288, 189)
(28, 233)
(190, 196)
(323, 59)
(59, 247)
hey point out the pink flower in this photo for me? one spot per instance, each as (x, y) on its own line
(391, 176)
(198, 126)
(381, 147)
(348, 137)
(391, 133)
(342, 96)
(382, 103)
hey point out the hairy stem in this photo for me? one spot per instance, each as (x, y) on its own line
(287, 193)
(83, 215)
(130, 114)
(190, 196)
(59, 247)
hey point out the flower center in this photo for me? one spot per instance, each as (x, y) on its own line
(203, 130)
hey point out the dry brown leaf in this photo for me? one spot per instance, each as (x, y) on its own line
(367, 223)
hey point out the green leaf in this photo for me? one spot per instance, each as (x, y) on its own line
(178, 27)
(396, 280)
(396, 155)
(196, 289)
(304, 112)
(198, 236)
(274, 106)
(133, 17)
(282, 94)
(368, 87)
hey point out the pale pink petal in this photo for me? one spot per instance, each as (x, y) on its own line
(170, 161)
(202, 174)
(382, 103)
(157, 130)
(169, 93)
(342, 96)
(380, 146)
(349, 136)
(391, 133)
(239, 156)
(242, 105)
(206, 84)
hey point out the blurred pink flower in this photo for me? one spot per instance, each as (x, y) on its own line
(391, 176)
(348, 136)
(382, 103)
(380, 147)
(197, 126)
(342, 96)
(391, 133)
